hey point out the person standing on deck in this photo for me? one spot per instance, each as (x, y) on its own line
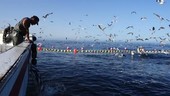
(21, 29)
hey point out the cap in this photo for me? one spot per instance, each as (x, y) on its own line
(36, 19)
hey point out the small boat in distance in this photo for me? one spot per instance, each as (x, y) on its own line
(14, 66)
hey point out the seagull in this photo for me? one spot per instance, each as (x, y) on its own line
(161, 28)
(114, 19)
(101, 27)
(160, 1)
(45, 16)
(110, 23)
(161, 18)
(15, 19)
(153, 29)
(129, 27)
(133, 12)
(146, 39)
(143, 18)
(168, 20)
(163, 39)
(130, 33)
(168, 34)
(86, 15)
(139, 39)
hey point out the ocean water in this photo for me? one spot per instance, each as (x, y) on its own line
(102, 74)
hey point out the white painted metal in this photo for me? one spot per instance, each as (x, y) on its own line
(17, 57)
(12, 59)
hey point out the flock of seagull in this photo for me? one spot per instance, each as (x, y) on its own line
(112, 36)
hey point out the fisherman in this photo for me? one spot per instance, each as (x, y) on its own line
(21, 29)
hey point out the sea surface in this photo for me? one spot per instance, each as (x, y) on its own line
(102, 74)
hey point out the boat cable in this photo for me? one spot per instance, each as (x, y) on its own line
(103, 51)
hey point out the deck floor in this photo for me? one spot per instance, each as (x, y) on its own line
(4, 47)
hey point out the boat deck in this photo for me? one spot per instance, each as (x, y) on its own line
(9, 58)
(4, 48)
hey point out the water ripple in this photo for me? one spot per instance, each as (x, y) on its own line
(103, 75)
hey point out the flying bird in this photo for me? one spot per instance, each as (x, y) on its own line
(168, 34)
(153, 29)
(101, 27)
(161, 28)
(143, 18)
(45, 16)
(161, 18)
(110, 23)
(146, 39)
(130, 33)
(168, 20)
(163, 39)
(160, 1)
(129, 27)
(15, 19)
(139, 39)
(133, 12)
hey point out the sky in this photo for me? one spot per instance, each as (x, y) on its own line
(92, 20)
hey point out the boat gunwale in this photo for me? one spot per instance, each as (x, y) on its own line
(7, 74)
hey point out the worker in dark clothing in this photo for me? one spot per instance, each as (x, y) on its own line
(21, 29)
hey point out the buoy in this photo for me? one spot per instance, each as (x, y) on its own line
(39, 48)
(68, 48)
(75, 51)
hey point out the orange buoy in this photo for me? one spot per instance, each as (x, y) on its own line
(39, 48)
(75, 51)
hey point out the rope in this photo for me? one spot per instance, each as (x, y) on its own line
(104, 51)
